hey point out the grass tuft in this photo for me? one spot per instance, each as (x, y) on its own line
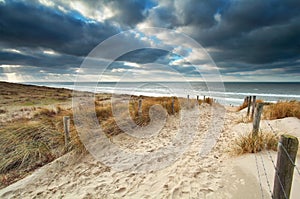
(253, 144)
(209, 100)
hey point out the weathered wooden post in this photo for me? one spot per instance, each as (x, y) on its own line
(188, 101)
(173, 108)
(204, 98)
(287, 151)
(66, 123)
(249, 105)
(197, 98)
(256, 121)
(246, 100)
(253, 106)
(140, 108)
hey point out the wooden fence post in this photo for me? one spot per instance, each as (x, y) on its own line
(246, 99)
(256, 121)
(249, 105)
(287, 151)
(253, 106)
(188, 101)
(204, 98)
(197, 98)
(173, 108)
(66, 123)
(140, 107)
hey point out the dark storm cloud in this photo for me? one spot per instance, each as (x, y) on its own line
(256, 32)
(32, 25)
(32, 28)
(40, 60)
(247, 32)
(130, 12)
(143, 56)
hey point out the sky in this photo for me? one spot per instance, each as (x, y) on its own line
(239, 40)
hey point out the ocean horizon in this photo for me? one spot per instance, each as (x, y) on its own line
(226, 93)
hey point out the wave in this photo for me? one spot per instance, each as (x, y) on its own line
(254, 94)
(157, 90)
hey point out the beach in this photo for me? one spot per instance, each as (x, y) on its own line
(207, 168)
(149, 99)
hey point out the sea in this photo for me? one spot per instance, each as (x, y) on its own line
(226, 93)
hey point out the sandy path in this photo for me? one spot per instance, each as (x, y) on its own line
(213, 175)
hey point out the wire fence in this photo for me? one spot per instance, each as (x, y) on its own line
(284, 149)
(259, 177)
(262, 171)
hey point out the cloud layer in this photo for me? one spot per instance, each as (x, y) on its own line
(48, 40)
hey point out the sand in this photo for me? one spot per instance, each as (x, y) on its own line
(195, 174)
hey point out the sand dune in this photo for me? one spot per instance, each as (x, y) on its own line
(198, 173)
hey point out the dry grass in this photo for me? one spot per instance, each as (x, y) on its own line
(23, 148)
(26, 146)
(282, 109)
(243, 119)
(47, 112)
(245, 104)
(253, 144)
(207, 100)
(24, 95)
(105, 116)
(259, 101)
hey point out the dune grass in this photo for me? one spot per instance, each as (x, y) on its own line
(253, 144)
(282, 109)
(209, 100)
(245, 104)
(106, 118)
(242, 106)
(25, 146)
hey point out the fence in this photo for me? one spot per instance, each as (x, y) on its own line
(286, 156)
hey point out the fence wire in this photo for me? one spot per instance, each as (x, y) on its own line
(284, 149)
(276, 175)
(288, 155)
(259, 177)
(265, 173)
